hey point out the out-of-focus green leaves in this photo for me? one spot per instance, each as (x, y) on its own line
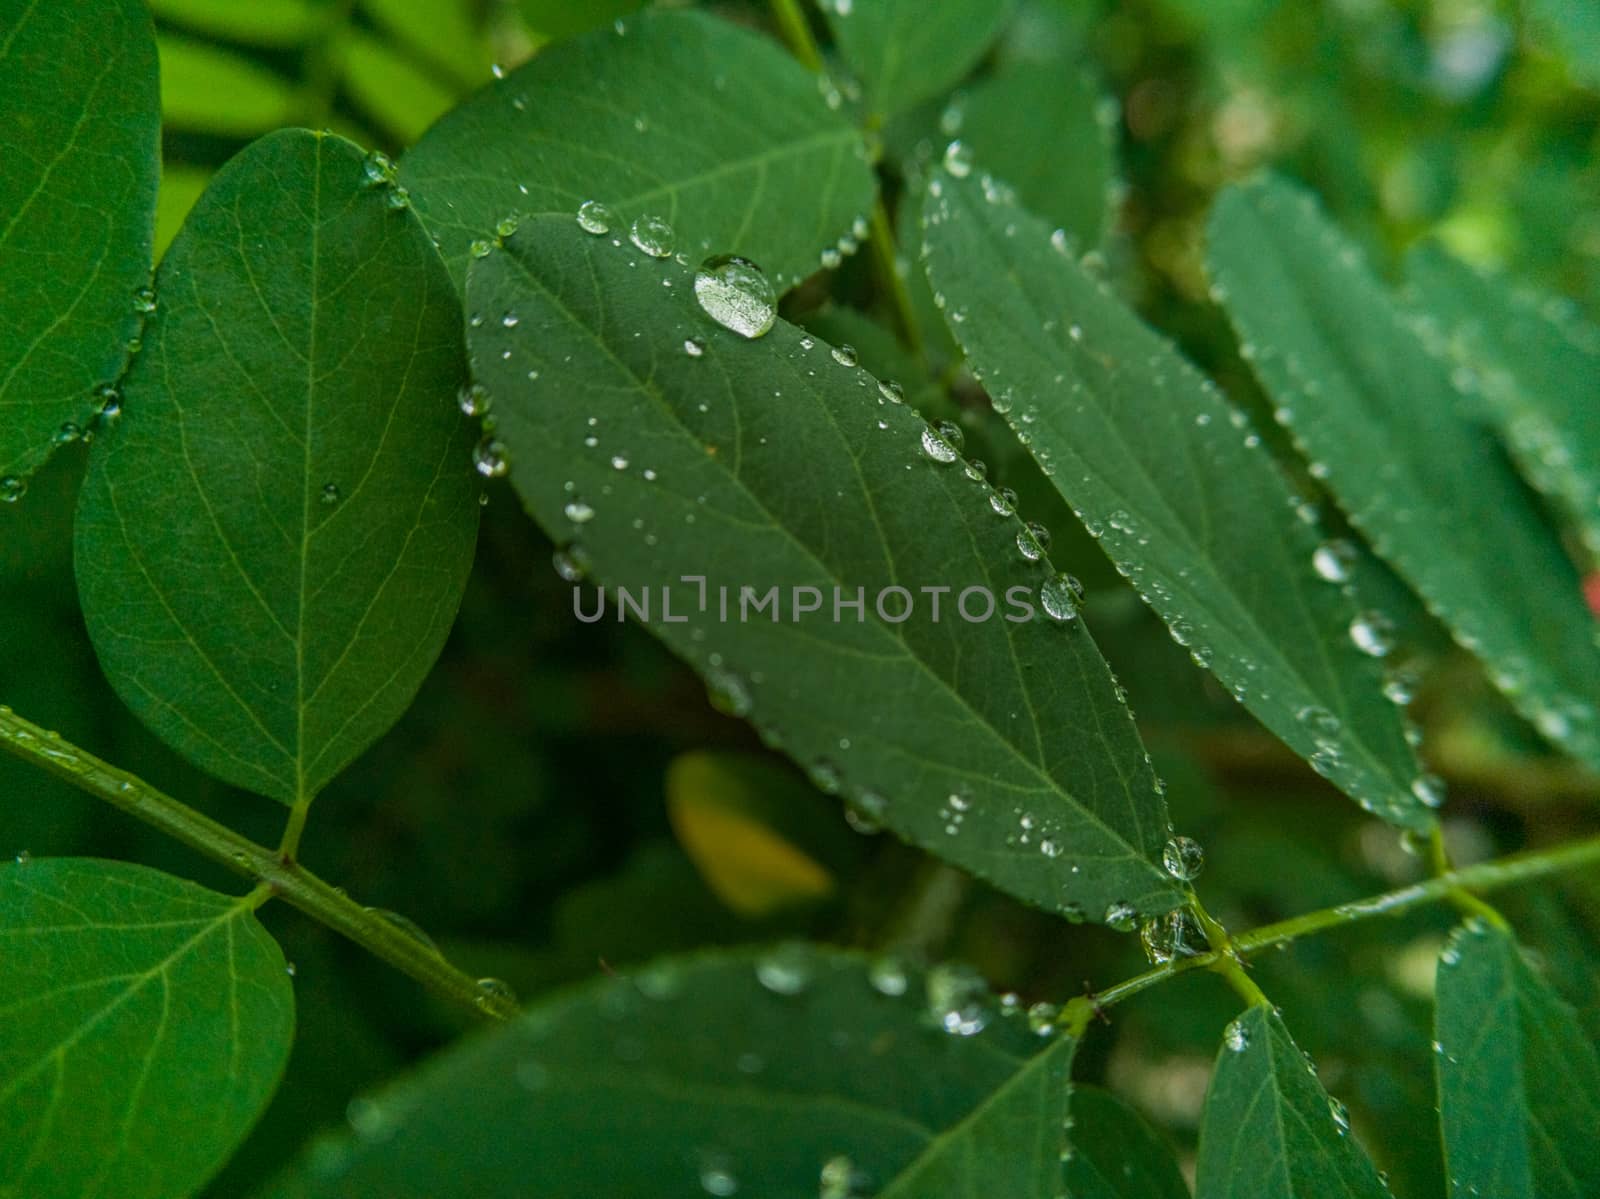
(392, 90)
(655, 442)
(269, 23)
(79, 135)
(907, 51)
(1535, 362)
(206, 89)
(1165, 472)
(563, 18)
(181, 187)
(1519, 1081)
(135, 1004)
(441, 32)
(683, 117)
(795, 1073)
(1380, 420)
(1572, 27)
(287, 505)
(1270, 1131)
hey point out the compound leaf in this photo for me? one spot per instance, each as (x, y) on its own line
(907, 51)
(273, 538)
(1519, 1081)
(80, 130)
(1269, 1130)
(1116, 1154)
(1429, 488)
(1536, 363)
(798, 1073)
(667, 448)
(1183, 497)
(146, 1024)
(682, 116)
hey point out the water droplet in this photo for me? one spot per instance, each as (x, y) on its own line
(1236, 1037)
(1373, 633)
(958, 159)
(1004, 502)
(108, 401)
(716, 1177)
(839, 1179)
(479, 248)
(23, 858)
(506, 226)
(577, 511)
(653, 235)
(735, 293)
(1184, 858)
(786, 970)
(1341, 1116)
(594, 217)
(1430, 789)
(495, 994)
(510, 320)
(1171, 935)
(694, 347)
(957, 999)
(1334, 560)
(1061, 596)
(330, 494)
(937, 445)
(12, 489)
(1121, 917)
(490, 458)
(728, 692)
(1033, 539)
(378, 168)
(67, 434)
(891, 391)
(887, 975)
(473, 399)
(144, 300)
(844, 355)
(1319, 721)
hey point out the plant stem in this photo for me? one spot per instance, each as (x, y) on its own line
(275, 871)
(1485, 876)
(1466, 903)
(1228, 962)
(791, 21)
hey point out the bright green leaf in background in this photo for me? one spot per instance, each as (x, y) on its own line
(1536, 363)
(1269, 1130)
(273, 538)
(79, 136)
(683, 117)
(788, 1075)
(1381, 421)
(906, 51)
(398, 95)
(1519, 1081)
(1166, 473)
(1572, 30)
(1046, 129)
(563, 18)
(209, 90)
(660, 444)
(271, 23)
(1116, 1154)
(146, 1023)
(441, 33)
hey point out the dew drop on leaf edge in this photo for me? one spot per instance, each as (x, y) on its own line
(737, 294)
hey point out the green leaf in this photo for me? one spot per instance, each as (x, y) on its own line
(146, 1024)
(388, 87)
(1000, 745)
(273, 539)
(78, 91)
(1181, 494)
(1116, 1154)
(1380, 420)
(272, 23)
(1062, 159)
(1269, 1130)
(181, 187)
(1519, 1081)
(442, 33)
(562, 18)
(1535, 361)
(788, 1075)
(208, 90)
(1574, 27)
(684, 117)
(908, 51)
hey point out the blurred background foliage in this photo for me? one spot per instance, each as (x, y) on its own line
(563, 798)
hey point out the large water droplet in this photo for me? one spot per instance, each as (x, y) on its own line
(735, 293)
(937, 443)
(1373, 633)
(1184, 858)
(1033, 539)
(1430, 789)
(1236, 1037)
(957, 1000)
(594, 217)
(845, 355)
(1334, 560)
(1121, 916)
(958, 159)
(495, 994)
(888, 976)
(786, 970)
(653, 235)
(1061, 596)
(491, 458)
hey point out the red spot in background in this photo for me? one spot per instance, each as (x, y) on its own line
(1591, 591)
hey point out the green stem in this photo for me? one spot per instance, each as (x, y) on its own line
(277, 872)
(1466, 903)
(1485, 876)
(796, 32)
(1228, 961)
